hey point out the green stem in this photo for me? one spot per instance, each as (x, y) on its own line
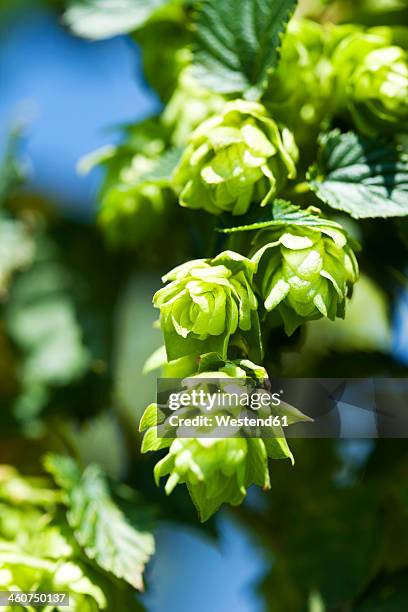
(299, 189)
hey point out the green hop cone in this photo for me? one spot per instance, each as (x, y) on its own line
(300, 89)
(132, 209)
(371, 77)
(132, 205)
(215, 470)
(378, 92)
(206, 302)
(234, 158)
(347, 47)
(305, 271)
(189, 106)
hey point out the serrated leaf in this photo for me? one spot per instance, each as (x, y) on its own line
(105, 533)
(283, 213)
(238, 44)
(98, 19)
(366, 178)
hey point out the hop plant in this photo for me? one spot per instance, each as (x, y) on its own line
(306, 271)
(189, 106)
(378, 92)
(132, 201)
(215, 470)
(205, 303)
(371, 79)
(132, 208)
(234, 158)
(348, 45)
(38, 551)
(300, 88)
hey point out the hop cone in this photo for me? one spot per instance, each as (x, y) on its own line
(216, 471)
(235, 158)
(189, 106)
(131, 209)
(371, 78)
(378, 92)
(306, 272)
(348, 46)
(205, 303)
(300, 89)
(132, 205)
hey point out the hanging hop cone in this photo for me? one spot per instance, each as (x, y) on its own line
(215, 470)
(205, 303)
(306, 271)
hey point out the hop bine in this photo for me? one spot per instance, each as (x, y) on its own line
(235, 158)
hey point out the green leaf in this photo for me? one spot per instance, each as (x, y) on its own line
(98, 19)
(238, 44)
(366, 178)
(41, 319)
(284, 213)
(63, 469)
(107, 535)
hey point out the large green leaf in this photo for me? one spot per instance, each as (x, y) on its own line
(107, 535)
(366, 178)
(238, 43)
(104, 18)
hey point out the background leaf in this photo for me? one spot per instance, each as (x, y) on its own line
(41, 319)
(104, 18)
(366, 178)
(238, 43)
(108, 536)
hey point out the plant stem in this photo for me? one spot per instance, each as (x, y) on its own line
(301, 188)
